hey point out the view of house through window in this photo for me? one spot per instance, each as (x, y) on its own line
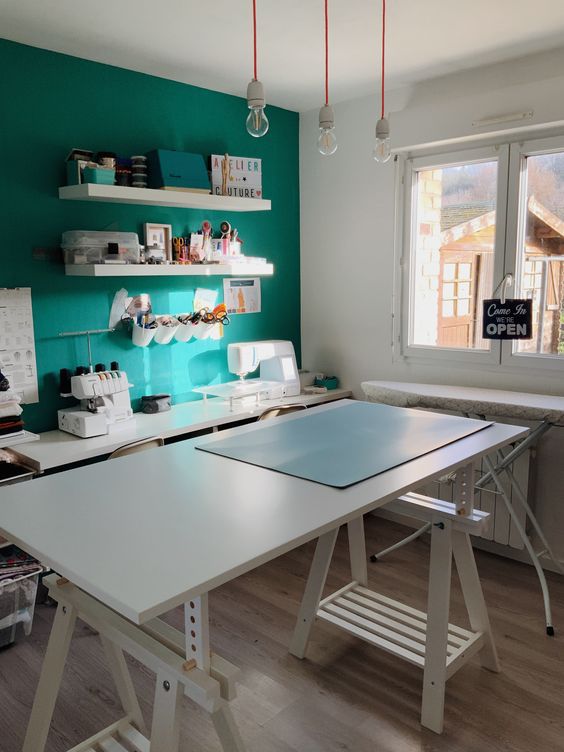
(541, 255)
(453, 254)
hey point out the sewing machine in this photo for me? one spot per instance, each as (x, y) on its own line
(277, 362)
(105, 405)
(278, 375)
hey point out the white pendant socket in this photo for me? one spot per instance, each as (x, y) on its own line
(255, 94)
(326, 117)
(382, 129)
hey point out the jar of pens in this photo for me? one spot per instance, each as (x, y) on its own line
(165, 328)
(144, 328)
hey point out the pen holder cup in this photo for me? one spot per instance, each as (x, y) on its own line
(164, 334)
(184, 332)
(202, 330)
(142, 337)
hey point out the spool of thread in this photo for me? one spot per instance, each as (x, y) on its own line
(64, 381)
(106, 159)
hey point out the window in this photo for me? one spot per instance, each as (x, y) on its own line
(470, 218)
(540, 247)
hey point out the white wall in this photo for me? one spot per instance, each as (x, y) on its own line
(347, 236)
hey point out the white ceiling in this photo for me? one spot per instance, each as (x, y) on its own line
(208, 42)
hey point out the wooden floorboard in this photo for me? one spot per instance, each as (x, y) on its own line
(346, 696)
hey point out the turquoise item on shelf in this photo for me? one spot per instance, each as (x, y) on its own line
(100, 175)
(329, 382)
(344, 445)
(177, 170)
(72, 172)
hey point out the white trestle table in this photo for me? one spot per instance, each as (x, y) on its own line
(216, 518)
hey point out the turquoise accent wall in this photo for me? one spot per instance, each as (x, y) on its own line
(53, 102)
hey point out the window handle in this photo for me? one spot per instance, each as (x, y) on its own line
(506, 282)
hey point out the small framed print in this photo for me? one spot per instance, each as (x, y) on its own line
(159, 237)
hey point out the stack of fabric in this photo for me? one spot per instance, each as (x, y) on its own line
(11, 423)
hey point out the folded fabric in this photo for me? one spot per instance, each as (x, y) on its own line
(15, 427)
(11, 408)
(9, 396)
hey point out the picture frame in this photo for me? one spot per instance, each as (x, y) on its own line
(160, 235)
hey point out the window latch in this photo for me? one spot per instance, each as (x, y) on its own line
(506, 282)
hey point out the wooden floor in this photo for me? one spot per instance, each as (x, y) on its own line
(345, 695)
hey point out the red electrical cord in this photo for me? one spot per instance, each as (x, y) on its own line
(383, 50)
(255, 38)
(326, 55)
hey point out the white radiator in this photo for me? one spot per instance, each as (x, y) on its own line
(501, 528)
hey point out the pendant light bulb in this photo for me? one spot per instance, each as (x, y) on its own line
(257, 122)
(382, 149)
(327, 140)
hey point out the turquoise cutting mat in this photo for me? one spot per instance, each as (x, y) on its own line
(344, 445)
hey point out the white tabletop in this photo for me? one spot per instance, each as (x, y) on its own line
(147, 532)
(497, 402)
(58, 448)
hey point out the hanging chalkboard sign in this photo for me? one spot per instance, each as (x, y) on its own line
(510, 319)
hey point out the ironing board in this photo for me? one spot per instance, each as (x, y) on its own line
(216, 518)
(546, 410)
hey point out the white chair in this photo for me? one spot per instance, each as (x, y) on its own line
(275, 412)
(137, 446)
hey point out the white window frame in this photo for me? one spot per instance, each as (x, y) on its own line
(406, 238)
(516, 207)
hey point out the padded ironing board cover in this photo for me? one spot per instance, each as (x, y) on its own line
(344, 445)
(477, 401)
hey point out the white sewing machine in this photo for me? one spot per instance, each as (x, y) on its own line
(278, 371)
(105, 405)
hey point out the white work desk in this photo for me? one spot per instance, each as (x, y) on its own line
(216, 518)
(55, 449)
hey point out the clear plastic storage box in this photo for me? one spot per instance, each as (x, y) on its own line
(92, 247)
(17, 604)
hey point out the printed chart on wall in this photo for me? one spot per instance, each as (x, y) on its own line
(242, 295)
(17, 342)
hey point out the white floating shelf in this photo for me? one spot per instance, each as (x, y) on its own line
(169, 270)
(153, 197)
(24, 438)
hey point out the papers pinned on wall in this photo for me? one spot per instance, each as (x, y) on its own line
(17, 342)
(242, 295)
(204, 299)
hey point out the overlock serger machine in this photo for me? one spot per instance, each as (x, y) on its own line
(105, 405)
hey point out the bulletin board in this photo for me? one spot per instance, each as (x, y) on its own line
(17, 342)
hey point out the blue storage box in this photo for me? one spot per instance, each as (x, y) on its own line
(100, 175)
(73, 171)
(329, 382)
(178, 171)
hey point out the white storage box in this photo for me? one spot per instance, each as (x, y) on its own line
(92, 247)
